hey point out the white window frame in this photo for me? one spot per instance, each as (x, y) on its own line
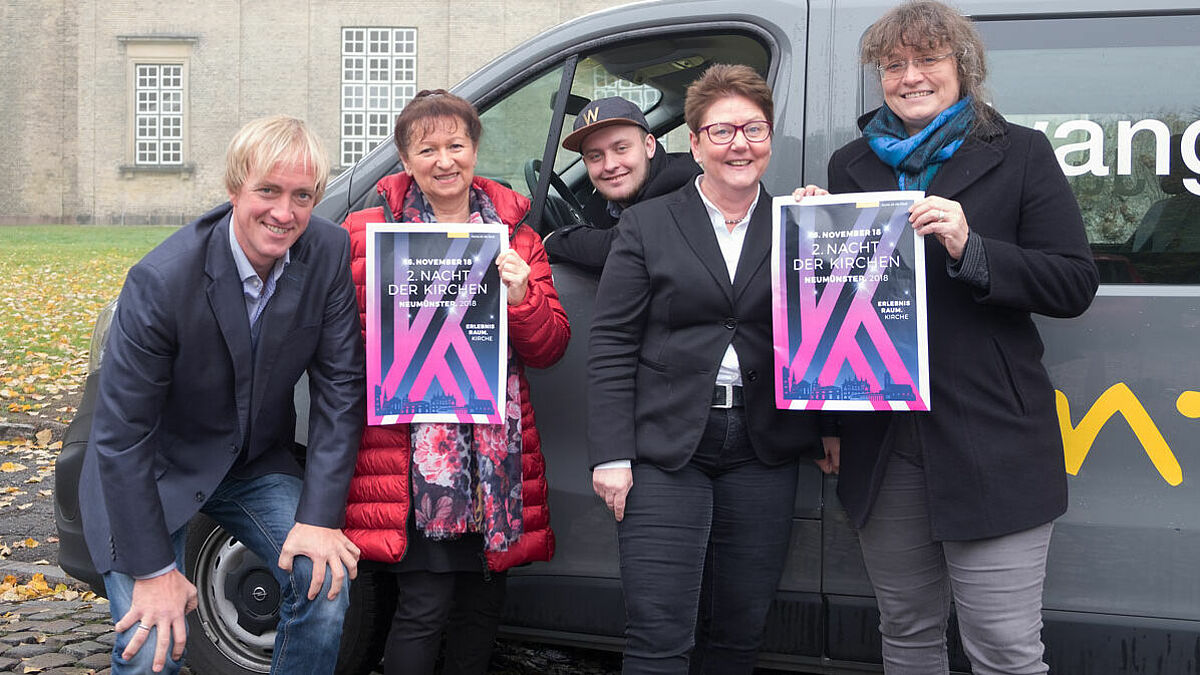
(158, 114)
(158, 103)
(378, 78)
(606, 84)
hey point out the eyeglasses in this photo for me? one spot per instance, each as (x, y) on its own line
(924, 64)
(722, 133)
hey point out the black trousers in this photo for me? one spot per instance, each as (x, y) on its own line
(464, 606)
(720, 525)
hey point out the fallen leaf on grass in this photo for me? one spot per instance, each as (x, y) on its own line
(43, 437)
(22, 507)
(46, 493)
(10, 467)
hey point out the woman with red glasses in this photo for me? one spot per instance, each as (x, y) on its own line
(688, 450)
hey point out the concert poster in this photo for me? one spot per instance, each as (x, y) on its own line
(437, 323)
(848, 295)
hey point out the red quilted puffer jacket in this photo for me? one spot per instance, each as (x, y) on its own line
(378, 503)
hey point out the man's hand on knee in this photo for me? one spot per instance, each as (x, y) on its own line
(159, 603)
(325, 547)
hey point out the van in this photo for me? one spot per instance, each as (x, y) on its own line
(1114, 87)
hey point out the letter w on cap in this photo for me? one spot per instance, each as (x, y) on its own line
(589, 116)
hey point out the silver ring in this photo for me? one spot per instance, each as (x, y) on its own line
(941, 215)
(142, 626)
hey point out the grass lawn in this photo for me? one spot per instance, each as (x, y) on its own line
(56, 278)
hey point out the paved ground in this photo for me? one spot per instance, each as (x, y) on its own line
(51, 636)
(26, 488)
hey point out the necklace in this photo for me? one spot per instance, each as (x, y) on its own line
(734, 221)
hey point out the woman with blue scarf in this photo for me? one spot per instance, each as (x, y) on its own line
(957, 504)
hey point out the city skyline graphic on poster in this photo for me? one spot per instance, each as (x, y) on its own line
(848, 295)
(437, 323)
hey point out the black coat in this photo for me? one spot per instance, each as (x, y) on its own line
(664, 314)
(588, 245)
(991, 445)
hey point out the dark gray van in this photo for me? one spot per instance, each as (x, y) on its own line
(1114, 86)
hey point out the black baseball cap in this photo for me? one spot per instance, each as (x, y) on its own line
(604, 112)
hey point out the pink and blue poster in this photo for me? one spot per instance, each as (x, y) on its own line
(848, 294)
(437, 323)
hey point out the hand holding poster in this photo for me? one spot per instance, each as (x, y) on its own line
(437, 323)
(848, 293)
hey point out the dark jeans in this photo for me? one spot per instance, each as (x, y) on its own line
(462, 604)
(723, 523)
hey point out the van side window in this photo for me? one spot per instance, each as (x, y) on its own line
(514, 130)
(1119, 99)
(652, 71)
(655, 74)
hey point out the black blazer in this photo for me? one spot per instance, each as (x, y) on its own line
(665, 312)
(179, 390)
(991, 446)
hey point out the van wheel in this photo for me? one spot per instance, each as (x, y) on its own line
(232, 631)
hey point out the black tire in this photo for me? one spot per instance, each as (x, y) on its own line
(232, 631)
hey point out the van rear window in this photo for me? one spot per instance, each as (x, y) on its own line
(1119, 99)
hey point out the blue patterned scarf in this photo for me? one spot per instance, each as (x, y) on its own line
(916, 158)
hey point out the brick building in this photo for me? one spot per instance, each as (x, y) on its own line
(120, 111)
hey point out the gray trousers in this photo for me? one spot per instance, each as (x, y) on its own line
(996, 586)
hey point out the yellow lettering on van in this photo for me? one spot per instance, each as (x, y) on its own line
(1077, 440)
(1188, 404)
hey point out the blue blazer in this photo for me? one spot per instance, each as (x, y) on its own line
(182, 399)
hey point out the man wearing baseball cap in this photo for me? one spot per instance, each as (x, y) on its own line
(626, 164)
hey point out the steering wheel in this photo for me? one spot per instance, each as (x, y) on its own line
(566, 201)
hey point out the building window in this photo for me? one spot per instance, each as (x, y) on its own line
(158, 130)
(379, 76)
(157, 73)
(606, 84)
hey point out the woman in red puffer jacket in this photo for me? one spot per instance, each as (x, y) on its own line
(437, 135)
